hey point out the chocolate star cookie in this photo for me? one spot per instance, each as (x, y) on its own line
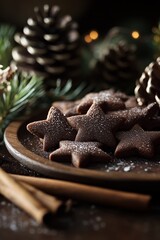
(97, 126)
(69, 108)
(108, 100)
(52, 130)
(137, 142)
(138, 115)
(80, 153)
(131, 102)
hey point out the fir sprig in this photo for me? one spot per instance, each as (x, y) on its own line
(67, 91)
(6, 43)
(16, 95)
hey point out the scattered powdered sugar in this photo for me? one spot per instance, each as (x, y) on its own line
(127, 169)
(120, 165)
(94, 221)
(146, 169)
(16, 220)
(131, 165)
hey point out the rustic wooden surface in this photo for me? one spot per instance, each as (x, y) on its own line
(84, 221)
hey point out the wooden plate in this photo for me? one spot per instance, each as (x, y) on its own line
(130, 174)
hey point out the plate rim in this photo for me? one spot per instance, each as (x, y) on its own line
(60, 171)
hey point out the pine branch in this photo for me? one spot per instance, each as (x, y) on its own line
(16, 95)
(6, 43)
(67, 91)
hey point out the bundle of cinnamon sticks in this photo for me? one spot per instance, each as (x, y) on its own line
(36, 203)
(36, 195)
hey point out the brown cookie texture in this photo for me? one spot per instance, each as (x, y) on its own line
(108, 100)
(63, 105)
(77, 131)
(81, 154)
(137, 142)
(67, 107)
(52, 130)
(131, 102)
(97, 126)
(71, 112)
(138, 115)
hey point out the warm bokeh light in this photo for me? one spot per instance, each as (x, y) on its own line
(93, 35)
(135, 34)
(87, 39)
(156, 39)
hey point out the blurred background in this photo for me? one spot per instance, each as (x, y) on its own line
(90, 14)
(118, 40)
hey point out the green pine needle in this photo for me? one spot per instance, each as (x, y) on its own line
(18, 94)
(6, 44)
(68, 92)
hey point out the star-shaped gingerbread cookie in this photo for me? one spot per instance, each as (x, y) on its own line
(97, 126)
(80, 153)
(138, 115)
(52, 130)
(108, 100)
(137, 142)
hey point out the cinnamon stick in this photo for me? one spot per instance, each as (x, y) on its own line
(26, 200)
(50, 202)
(87, 193)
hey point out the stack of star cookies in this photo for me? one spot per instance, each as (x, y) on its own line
(99, 127)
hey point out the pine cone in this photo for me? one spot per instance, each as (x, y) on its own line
(5, 77)
(147, 89)
(49, 45)
(117, 68)
(7, 73)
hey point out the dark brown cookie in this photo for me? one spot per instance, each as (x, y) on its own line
(63, 105)
(97, 126)
(137, 142)
(52, 130)
(108, 100)
(80, 153)
(131, 102)
(71, 112)
(138, 115)
(69, 108)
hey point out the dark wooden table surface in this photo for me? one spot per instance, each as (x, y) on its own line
(84, 221)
